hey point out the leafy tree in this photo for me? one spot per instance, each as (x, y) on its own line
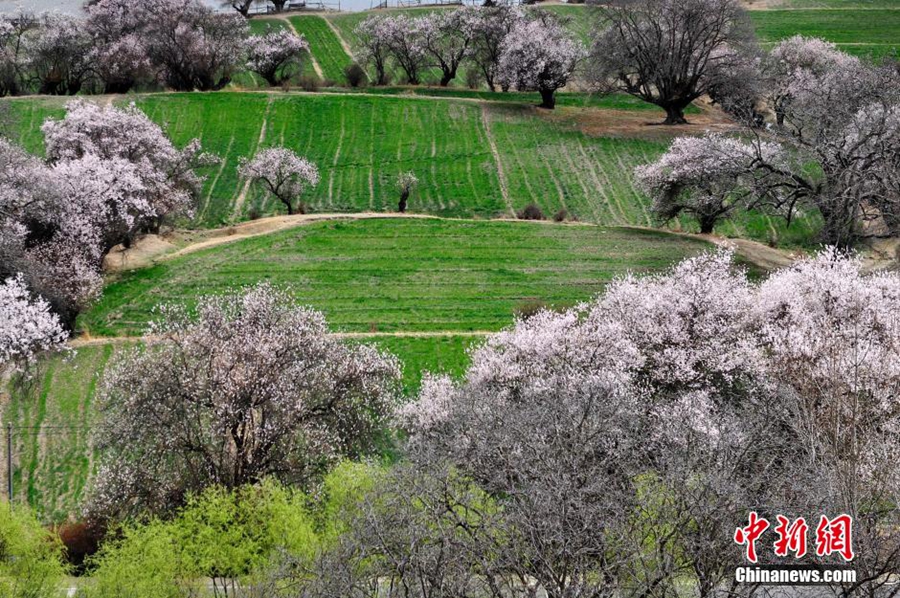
(492, 25)
(31, 558)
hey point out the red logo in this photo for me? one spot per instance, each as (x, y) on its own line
(832, 536)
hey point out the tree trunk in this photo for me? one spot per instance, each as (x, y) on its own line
(402, 205)
(706, 224)
(290, 208)
(447, 77)
(548, 98)
(674, 115)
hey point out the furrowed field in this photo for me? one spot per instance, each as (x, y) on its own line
(324, 45)
(361, 142)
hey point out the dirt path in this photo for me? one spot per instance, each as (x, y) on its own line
(341, 39)
(95, 341)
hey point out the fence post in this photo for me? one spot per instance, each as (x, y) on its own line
(9, 462)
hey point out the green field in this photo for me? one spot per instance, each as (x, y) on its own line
(53, 414)
(390, 274)
(861, 32)
(324, 45)
(360, 143)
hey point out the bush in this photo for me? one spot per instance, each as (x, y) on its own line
(143, 561)
(473, 78)
(561, 216)
(309, 83)
(31, 557)
(529, 308)
(219, 533)
(355, 75)
(530, 212)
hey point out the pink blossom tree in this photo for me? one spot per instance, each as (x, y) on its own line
(275, 55)
(195, 47)
(446, 38)
(27, 326)
(58, 54)
(250, 387)
(110, 174)
(167, 173)
(539, 55)
(282, 173)
(119, 56)
(373, 48)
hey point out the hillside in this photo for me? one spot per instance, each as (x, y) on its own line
(424, 289)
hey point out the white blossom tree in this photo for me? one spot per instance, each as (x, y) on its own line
(282, 173)
(404, 39)
(27, 326)
(446, 38)
(373, 48)
(539, 55)
(275, 55)
(251, 387)
(492, 25)
(710, 177)
(837, 123)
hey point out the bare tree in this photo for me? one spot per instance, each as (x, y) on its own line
(669, 53)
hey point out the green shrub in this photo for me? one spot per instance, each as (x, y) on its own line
(144, 561)
(31, 557)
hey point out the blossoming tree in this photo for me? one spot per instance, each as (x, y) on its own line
(539, 55)
(282, 173)
(251, 387)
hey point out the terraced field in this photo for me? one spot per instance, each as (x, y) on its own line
(376, 275)
(324, 45)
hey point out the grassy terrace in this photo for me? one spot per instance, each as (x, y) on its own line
(400, 274)
(324, 45)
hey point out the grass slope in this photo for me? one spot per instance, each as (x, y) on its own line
(861, 32)
(400, 274)
(324, 45)
(54, 414)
